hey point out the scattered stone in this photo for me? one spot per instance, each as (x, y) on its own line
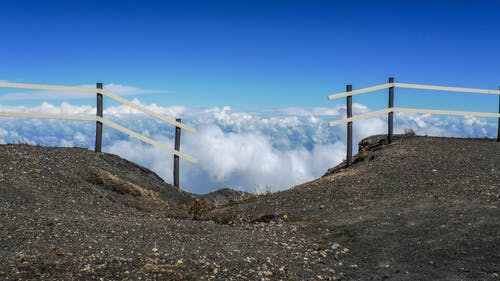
(335, 246)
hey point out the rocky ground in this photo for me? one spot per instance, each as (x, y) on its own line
(417, 209)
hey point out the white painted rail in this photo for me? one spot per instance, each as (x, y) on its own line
(360, 91)
(47, 87)
(47, 116)
(146, 139)
(359, 117)
(445, 88)
(97, 118)
(145, 110)
(412, 110)
(446, 112)
(412, 86)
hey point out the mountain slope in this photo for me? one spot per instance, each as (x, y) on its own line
(78, 180)
(418, 209)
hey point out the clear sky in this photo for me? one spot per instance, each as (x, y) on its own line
(255, 54)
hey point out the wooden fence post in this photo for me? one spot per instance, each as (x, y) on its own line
(349, 127)
(390, 115)
(177, 147)
(98, 128)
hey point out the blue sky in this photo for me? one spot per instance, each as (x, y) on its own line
(252, 76)
(253, 54)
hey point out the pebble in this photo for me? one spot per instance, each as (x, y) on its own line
(335, 246)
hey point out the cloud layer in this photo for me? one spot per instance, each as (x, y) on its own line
(249, 150)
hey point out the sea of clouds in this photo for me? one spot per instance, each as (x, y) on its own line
(255, 151)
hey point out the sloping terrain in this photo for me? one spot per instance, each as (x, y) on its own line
(73, 180)
(418, 209)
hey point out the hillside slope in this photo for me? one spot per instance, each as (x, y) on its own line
(78, 180)
(418, 209)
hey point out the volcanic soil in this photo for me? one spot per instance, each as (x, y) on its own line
(420, 208)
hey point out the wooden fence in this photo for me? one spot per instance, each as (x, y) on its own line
(391, 109)
(100, 120)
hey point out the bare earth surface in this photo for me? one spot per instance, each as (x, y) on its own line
(418, 209)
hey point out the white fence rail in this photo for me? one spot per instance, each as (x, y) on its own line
(412, 86)
(391, 109)
(412, 110)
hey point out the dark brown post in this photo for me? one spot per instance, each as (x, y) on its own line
(98, 128)
(498, 130)
(390, 116)
(177, 147)
(349, 127)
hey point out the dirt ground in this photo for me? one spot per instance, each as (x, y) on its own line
(420, 208)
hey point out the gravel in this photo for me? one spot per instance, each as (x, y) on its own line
(419, 209)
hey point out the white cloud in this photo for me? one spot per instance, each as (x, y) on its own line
(3, 132)
(318, 111)
(121, 90)
(244, 161)
(120, 110)
(251, 150)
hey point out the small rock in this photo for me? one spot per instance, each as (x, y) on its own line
(59, 251)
